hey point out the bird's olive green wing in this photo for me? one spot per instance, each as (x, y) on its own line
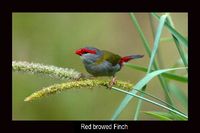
(111, 57)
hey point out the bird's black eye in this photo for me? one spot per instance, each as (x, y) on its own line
(84, 51)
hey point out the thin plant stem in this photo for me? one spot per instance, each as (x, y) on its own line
(155, 103)
(180, 49)
(155, 64)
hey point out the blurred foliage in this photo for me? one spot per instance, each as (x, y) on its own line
(52, 38)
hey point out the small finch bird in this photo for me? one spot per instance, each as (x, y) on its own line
(103, 63)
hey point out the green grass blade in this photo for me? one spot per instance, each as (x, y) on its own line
(180, 38)
(178, 117)
(175, 77)
(139, 86)
(179, 95)
(159, 55)
(181, 52)
(180, 49)
(144, 40)
(152, 24)
(164, 115)
(155, 64)
(178, 63)
(153, 54)
(166, 75)
(166, 39)
(159, 115)
(138, 108)
(137, 67)
(153, 102)
(148, 50)
(158, 99)
(156, 42)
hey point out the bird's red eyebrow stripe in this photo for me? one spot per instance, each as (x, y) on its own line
(89, 51)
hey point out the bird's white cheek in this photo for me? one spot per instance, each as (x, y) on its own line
(82, 57)
(124, 63)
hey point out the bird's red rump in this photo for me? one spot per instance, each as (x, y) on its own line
(125, 59)
(128, 58)
(84, 51)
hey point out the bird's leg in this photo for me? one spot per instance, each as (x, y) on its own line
(112, 82)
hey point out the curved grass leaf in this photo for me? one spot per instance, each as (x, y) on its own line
(153, 102)
(178, 63)
(146, 45)
(159, 115)
(166, 39)
(175, 77)
(153, 54)
(180, 38)
(166, 75)
(138, 108)
(144, 40)
(139, 86)
(148, 50)
(164, 115)
(179, 95)
(180, 49)
(156, 42)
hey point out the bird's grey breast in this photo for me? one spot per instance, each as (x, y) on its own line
(89, 58)
(103, 69)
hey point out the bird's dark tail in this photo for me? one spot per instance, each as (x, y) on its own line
(130, 57)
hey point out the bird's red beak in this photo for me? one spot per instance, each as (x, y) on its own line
(78, 52)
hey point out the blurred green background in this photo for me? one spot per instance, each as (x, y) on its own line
(52, 38)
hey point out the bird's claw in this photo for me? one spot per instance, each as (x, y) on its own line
(112, 82)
